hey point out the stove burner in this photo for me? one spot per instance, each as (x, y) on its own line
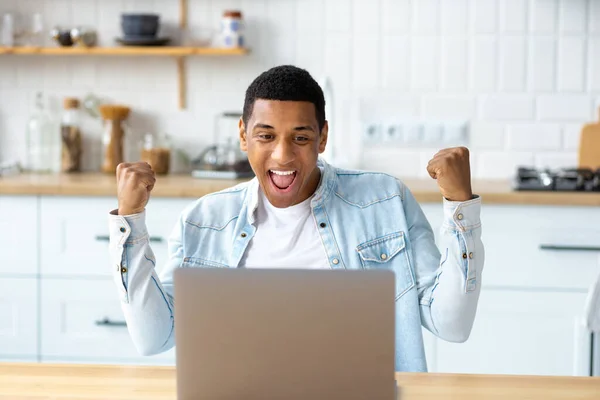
(565, 179)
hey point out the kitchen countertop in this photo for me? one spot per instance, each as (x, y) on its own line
(67, 381)
(425, 190)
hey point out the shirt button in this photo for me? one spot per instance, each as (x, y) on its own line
(123, 270)
(243, 234)
(460, 217)
(322, 224)
(384, 256)
(471, 255)
(335, 261)
(464, 255)
(122, 229)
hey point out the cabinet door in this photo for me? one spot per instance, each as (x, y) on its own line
(82, 321)
(75, 233)
(18, 319)
(518, 332)
(19, 235)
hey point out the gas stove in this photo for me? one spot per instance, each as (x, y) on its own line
(564, 179)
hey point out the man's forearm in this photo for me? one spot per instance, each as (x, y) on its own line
(451, 304)
(146, 303)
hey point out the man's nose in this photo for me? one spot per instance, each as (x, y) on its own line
(283, 152)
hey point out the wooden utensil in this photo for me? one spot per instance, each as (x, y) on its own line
(589, 145)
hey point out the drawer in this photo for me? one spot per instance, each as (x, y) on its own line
(537, 246)
(82, 321)
(19, 236)
(18, 319)
(75, 233)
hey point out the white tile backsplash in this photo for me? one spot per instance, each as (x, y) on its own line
(513, 64)
(571, 64)
(571, 136)
(507, 107)
(525, 74)
(542, 65)
(426, 16)
(573, 15)
(425, 61)
(544, 16)
(454, 16)
(485, 16)
(514, 15)
(569, 108)
(593, 63)
(534, 136)
(455, 64)
(395, 68)
(484, 64)
(396, 16)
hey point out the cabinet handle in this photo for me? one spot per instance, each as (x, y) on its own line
(108, 322)
(106, 238)
(563, 247)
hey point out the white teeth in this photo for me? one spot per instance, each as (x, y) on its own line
(282, 172)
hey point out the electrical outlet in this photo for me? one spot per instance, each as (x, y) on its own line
(413, 132)
(433, 133)
(371, 132)
(392, 132)
(456, 133)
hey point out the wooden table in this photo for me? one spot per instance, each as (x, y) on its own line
(61, 382)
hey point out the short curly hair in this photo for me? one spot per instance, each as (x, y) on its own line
(285, 82)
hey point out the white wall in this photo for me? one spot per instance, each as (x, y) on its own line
(526, 73)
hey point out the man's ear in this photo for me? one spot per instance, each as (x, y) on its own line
(323, 137)
(243, 141)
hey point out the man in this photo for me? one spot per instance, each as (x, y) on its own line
(301, 212)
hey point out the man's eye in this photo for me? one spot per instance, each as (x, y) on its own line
(301, 139)
(266, 136)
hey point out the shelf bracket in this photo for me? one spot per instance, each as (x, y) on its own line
(183, 14)
(182, 82)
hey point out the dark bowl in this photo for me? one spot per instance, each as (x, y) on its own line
(140, 24)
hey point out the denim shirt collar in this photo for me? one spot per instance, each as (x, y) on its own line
(323, 191)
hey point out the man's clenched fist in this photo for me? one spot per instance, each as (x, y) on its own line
(452, 170)
(134, 184)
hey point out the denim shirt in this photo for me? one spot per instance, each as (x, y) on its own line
(366, 221)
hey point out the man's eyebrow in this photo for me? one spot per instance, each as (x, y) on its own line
(304, 128)
(263, 126)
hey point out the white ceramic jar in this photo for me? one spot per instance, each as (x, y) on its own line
(232, 29)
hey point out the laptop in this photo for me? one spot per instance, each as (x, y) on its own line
(258, 334)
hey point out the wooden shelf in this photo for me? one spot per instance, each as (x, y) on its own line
(125, 51)
(179, 53)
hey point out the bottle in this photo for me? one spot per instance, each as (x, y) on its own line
(71, 136)
(43, 140)
(8, 31)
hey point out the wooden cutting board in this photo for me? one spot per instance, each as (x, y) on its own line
(589, 146)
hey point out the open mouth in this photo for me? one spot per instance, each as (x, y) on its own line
(283, 181)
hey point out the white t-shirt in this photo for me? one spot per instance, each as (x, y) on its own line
(285, 238)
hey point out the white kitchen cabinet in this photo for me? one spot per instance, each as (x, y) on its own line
(75, 233)
(18, 319)
(82, 321)
(18, 235)
(518, 332)
(537, 247)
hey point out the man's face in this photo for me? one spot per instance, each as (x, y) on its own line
(283, 142)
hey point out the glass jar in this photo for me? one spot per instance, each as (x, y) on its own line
(157, 153)
(43, 140)
(113, 137)
(72, 147)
